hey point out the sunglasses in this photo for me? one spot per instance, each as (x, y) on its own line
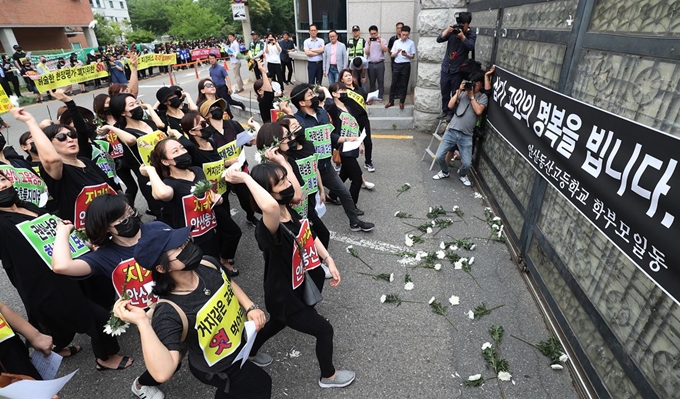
(64, 136)
(201, 125)
(208, 85)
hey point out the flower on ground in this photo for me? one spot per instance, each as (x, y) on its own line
(474, 377)
(442, 245)
(556, 366)
(441, 255)
(564, 358)
(496, 218)
(471, 261)
(504, 376)
(391, 277)
(455, 208)
(471, 314)
(454, 300)
(472, 248)
(486, 345)
(458, 265)
(453, 248)
(408, 286)
(429, 230)
(382, 298)
(438, 267)
(478, 195)
(408, 241)
(430, 301)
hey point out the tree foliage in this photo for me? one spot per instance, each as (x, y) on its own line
(151, 15)
(191, 21)
(107, 32)
(140, 36)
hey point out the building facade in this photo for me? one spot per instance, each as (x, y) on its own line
(58, 24)
(113, 10)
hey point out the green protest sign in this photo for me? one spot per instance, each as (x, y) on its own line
(40, 233)
(29, 186)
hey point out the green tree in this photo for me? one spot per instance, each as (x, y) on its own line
(140, 36)
(151, 15)
(105, 31)
(191, 21)
(281, 17)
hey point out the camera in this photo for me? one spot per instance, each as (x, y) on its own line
(372, 39)
(457, 28)
(461, 19)
(468, 85)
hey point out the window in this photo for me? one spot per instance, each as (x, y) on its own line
(326, 14)
(111, 4)
(122, 5)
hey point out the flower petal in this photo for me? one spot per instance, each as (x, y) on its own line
(429, 230)
(486, 345)
(442, 245)
(454, 300)
(430, 301)
(504, 376)
(438, 267)
(474, 377)
(564, 358)
(556, 366)
(441, 255)
(471, 314)
(383, 298)
(391, 277)
(408, 286)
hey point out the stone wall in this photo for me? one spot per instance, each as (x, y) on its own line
(433, 17)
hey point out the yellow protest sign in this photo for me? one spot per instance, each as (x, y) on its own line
(5, 104)
(213, 172)
(6, 331)
(147, 143)
(69, 76)
(153, 59)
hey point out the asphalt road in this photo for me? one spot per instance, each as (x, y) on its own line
(404, 351)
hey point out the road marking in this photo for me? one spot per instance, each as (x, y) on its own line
(374, 245)
(391, 136)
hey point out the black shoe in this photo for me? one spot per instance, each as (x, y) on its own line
(231, 273)
(252, 220)
(363, 226)
(442, 115)
(333, 201)
(243, 106)
(359, 212)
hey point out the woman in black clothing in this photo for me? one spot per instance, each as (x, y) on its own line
(129, 115)
(7, 66)
(173, 103)
(281, 235)
(204, 154)
(230, 137)
(347, 129)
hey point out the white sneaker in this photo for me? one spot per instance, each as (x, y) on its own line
(441, 175)
(368, 185)
(147, 392)
(466, 181)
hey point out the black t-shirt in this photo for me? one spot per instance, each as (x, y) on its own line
(280, 298)
(68, 189)
(231, 131)
(168, 325)
(266, 103)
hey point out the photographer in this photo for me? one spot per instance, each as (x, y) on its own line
(461, 40)
(272, 52)
(468, 103)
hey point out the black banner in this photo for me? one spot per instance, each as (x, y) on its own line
(618, 173)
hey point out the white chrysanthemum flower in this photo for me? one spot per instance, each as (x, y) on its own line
(429, 230)
(107, 329)
(564, 358)
(504, 376)
(430, 210)
(383, 298)
(418, 257)
(455, 208)
(391, 277)
(453, 248)
(486, 345)
(442, 245)
(348, 248)
(474, 377)
(422, 253)
(430, 301)
(496, 218)
(408, 241)
(396, 213)
(500, 232)
(472, 248)
(191, 189)
(471, 261)
(441, 255)
(258, 157)
(478, 195)
(433, 223)
(408, 286)
(471, 314)
(487, 209)
(294, 353)
(457, 265)
(406, 184)
(438, 267)
(556, 366)
(454, 300)
(495, 227)
(463, 260)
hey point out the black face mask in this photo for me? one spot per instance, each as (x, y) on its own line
(33, 149)
(129, 227)
(107, 111)
(183, 161)
(176, 102)
(191, 256)
(137, 113)
(206, 134)
(217, 114)
(8, 197)
(315, 102)
(3, 141)
(343, 95)
(287, 195)
(299, 136)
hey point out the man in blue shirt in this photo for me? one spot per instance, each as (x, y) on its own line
(220, 78)
(314, 48)
(403, 51)
(311, 115)
(117, 71)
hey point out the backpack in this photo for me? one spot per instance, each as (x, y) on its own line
(208, 261)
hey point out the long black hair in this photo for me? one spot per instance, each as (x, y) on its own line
(267, 175)
(104, 210)
(163, 283)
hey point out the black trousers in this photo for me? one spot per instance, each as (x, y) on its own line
(228, 232)
(244, 196)
(317, 226)
(449, 83)
(276, 70)
(315, 72)
(223, 92)
(287, 65)
(352, 171)
(249, 382)
(306, 321)
(14, 80)
(400, 76)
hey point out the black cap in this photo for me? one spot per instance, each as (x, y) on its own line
(355, 27)
(66, 119)
(253, 33)
(16, 47)
(158, 237)
(164, 92)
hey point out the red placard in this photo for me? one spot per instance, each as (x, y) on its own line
(87, 194)
(198, 213)
(137, 282)
(116, 146)
(310, 260)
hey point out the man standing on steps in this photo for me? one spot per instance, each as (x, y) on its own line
(375, 51)
(403, 51)
(310, 115)
(393, 39)
(314, 49)
(235, 62)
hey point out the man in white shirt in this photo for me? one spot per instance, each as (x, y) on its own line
(235, 62)
(314, 48)
(334, 56)
(403, 51)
